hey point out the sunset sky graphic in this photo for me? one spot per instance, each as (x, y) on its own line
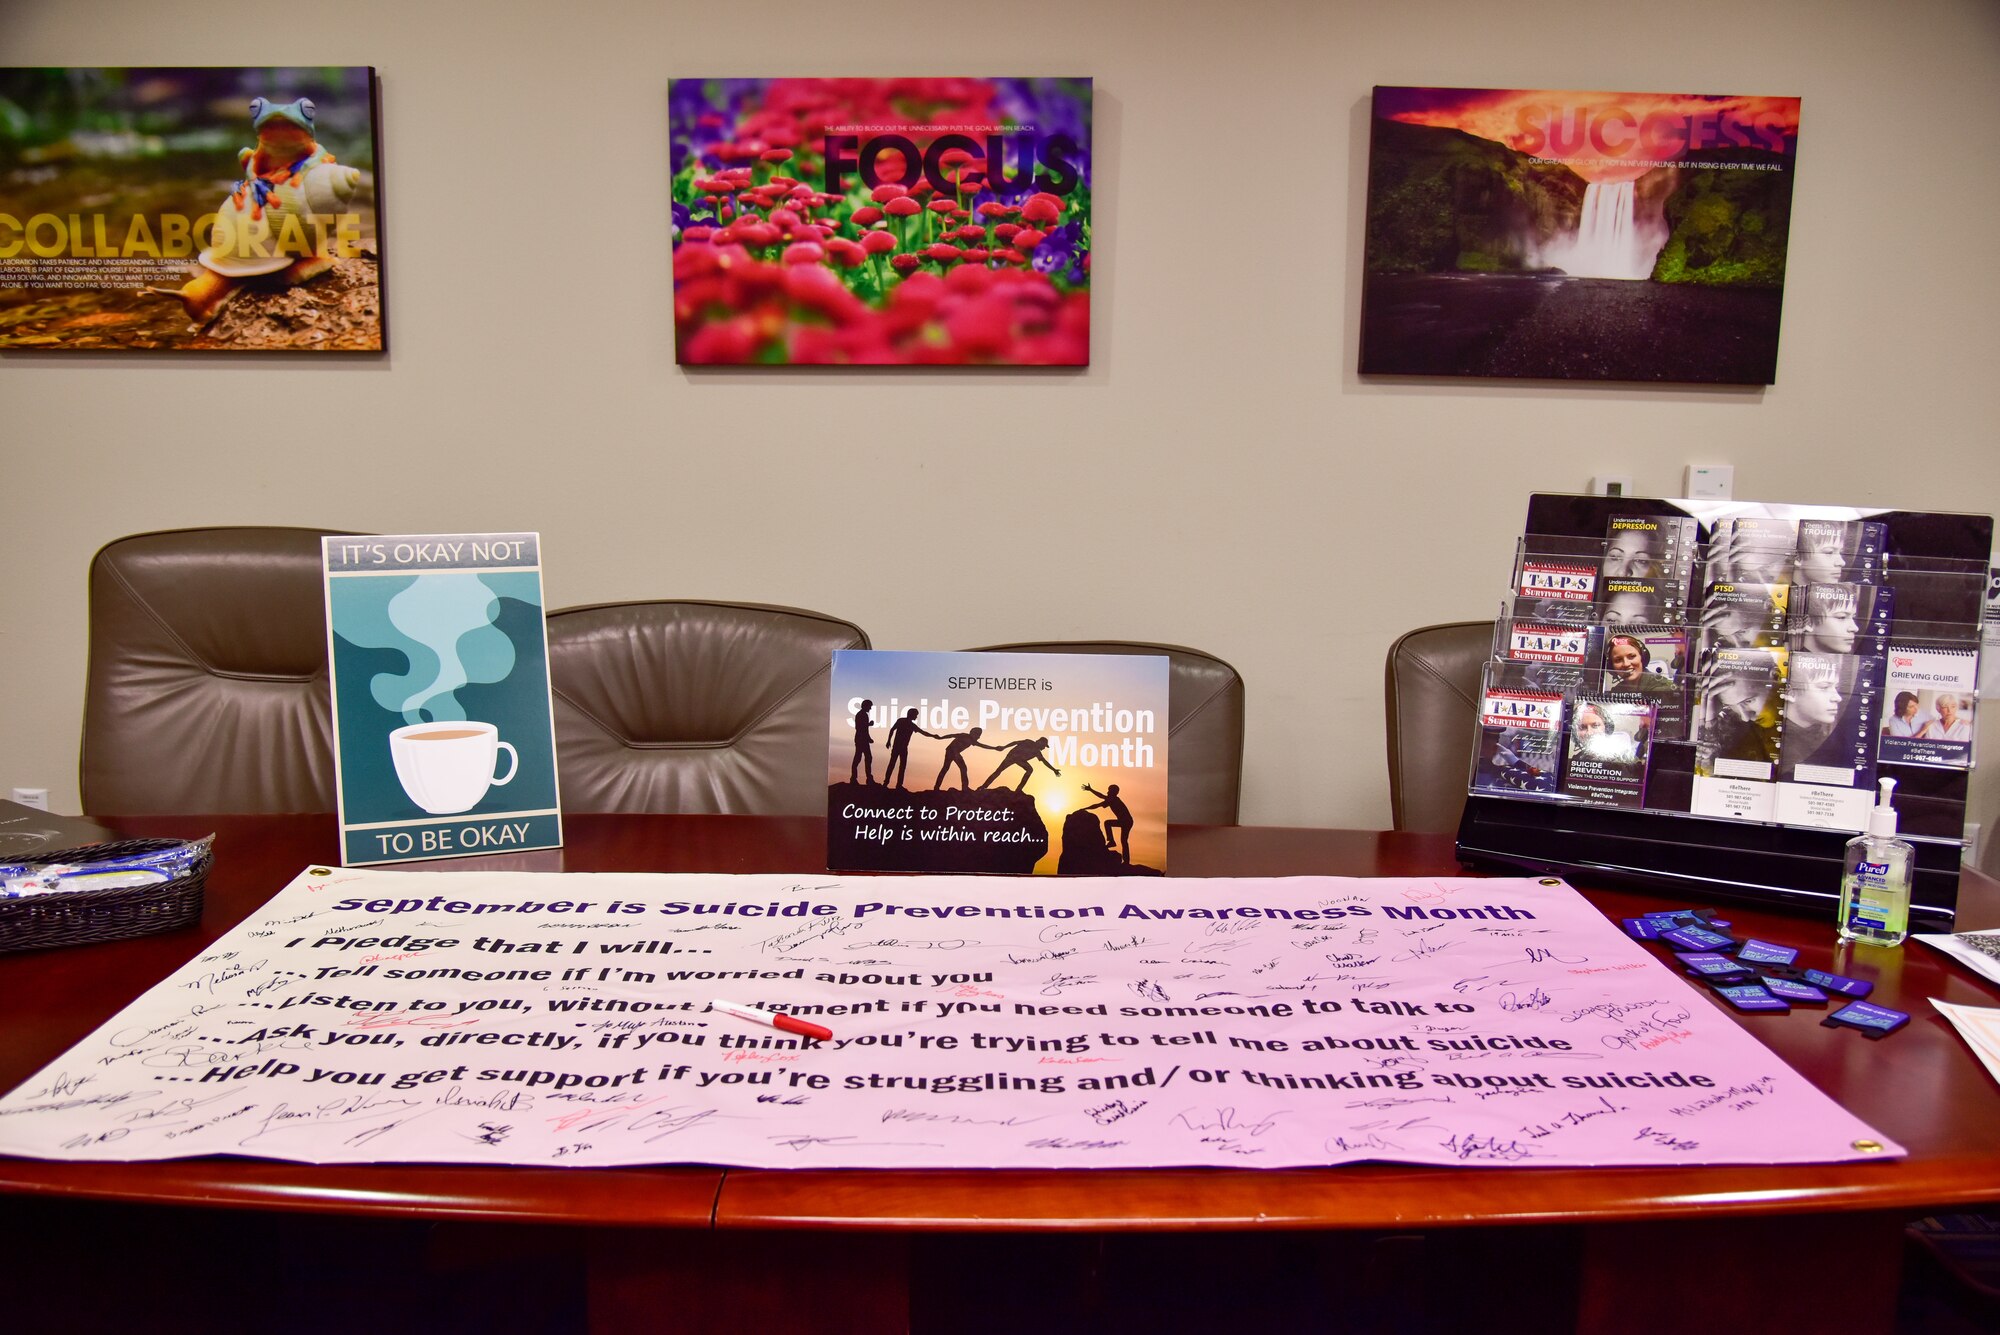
(1602, 136)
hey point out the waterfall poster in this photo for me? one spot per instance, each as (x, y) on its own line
(1052, 764)
(207, 209)
(1577, 236)
(444, 737)
(911, 221)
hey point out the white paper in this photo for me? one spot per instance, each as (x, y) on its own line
(977, 1022)
(1977, 951)
(1979, 1026)
(1734, 798)
(1823, 807)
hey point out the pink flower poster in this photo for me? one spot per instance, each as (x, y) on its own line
(877, 222)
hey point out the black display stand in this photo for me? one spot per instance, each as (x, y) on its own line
(1936, 563)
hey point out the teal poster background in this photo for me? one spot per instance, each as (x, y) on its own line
(440, 645)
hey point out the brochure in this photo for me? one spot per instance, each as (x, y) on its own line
(1610, 741)
(1841, 618)
(1649, 661)
(1557, 657)
(1737, 719)
(1932, 694)
(1520, 742)
(1840, 551)
(1561, 590)
(1826, 754)
(1636, 602)
(1752, 549)
(1742, 616)
(1647, 546)
(1831, 717)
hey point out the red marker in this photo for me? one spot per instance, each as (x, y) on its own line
(803, 1028)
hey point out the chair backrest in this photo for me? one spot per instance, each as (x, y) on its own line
(693, 706)
(207, 686)
(1204, 725)
(1432, 700)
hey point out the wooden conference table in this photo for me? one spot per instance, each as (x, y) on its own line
(1815, 1246)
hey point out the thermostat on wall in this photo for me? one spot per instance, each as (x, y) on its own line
(1709, 482)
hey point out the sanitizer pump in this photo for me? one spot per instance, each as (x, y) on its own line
(1875, 880)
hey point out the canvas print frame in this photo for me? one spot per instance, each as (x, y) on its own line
(881, 221)
(222, 208)
(1534, 234)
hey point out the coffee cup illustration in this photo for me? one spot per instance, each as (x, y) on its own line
(447, 767)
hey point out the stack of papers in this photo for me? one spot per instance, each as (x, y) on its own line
(1979, 1026)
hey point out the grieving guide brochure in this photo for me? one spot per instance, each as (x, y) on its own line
(544, 1018)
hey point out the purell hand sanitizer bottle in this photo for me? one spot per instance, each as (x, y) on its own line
(1875, 886)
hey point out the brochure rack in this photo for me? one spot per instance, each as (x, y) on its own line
(1693, 820)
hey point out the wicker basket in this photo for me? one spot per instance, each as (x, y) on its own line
(79, 917)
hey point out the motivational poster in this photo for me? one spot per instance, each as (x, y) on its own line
(881, 221)
(1565, 235)
(209, 209)
(444, 738)
(1054, 764)
(965, 1022)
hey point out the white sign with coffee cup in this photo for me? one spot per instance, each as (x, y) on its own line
(444, 740)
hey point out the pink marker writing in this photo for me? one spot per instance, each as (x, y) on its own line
(803, 1028)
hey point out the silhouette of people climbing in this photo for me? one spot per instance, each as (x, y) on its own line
(1023, 753)
(954, 754)
(899, 749)
(864, 751)
(1121, 820)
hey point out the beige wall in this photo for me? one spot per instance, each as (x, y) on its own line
(1219, 476)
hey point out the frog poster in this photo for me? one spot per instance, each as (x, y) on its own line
(872, 222)
(444, 737)
(213, 209)
(1051, 764)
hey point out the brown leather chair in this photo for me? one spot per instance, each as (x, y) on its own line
(1204, 725)
(207, 685)
(693, 706)
(1432, 698)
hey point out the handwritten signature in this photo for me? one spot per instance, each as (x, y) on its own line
(1224, 1119)
(1486, 1148)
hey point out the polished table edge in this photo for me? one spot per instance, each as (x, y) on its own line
(1010, 1200)
(674, 1196)
(1361, 1196)
(1353, 1196)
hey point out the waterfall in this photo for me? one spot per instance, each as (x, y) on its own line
(1609, 241)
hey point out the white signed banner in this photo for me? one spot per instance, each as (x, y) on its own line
(540, 1018)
